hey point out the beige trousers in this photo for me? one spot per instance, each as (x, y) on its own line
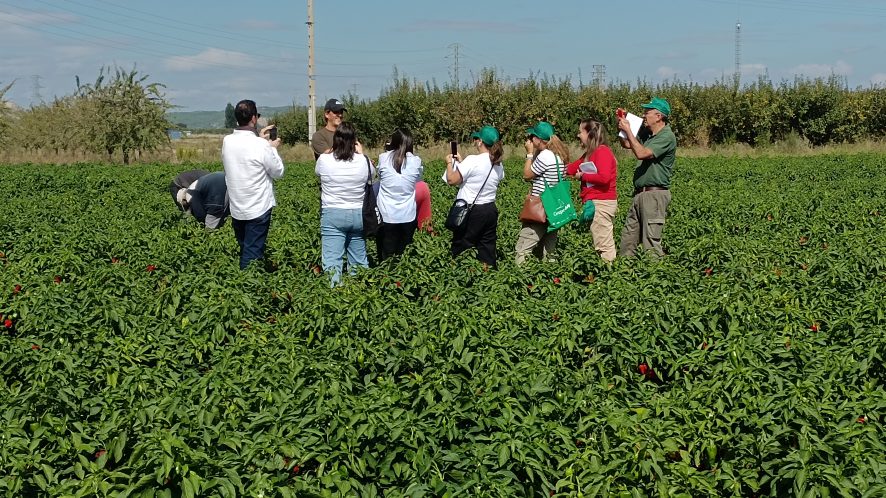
(535, 238)
(601, 228)
(645, 223)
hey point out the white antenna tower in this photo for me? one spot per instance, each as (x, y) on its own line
(736, 76)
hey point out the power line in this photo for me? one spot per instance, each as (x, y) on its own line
(205, 29)
(105, 42)
(808, 6)
(188, 44)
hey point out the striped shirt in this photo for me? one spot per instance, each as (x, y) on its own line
(545, 166)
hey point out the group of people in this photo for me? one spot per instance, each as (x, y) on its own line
(251, 164)
(244, 190)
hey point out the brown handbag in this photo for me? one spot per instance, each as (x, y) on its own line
(533, 211)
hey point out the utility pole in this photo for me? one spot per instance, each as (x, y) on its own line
(455, 48)
(312, 92)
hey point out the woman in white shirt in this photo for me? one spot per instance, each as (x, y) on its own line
(545, 155)
(343, 174)
(398, 170)
(478, 176)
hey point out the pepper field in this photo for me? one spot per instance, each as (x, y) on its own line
(138, 360)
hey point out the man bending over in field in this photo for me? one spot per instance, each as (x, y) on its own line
(203, 195)
(251, 164)
(655, 147)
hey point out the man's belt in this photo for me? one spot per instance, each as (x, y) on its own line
(639, 190)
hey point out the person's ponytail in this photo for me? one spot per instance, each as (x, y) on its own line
(495, 152)
(558, 147)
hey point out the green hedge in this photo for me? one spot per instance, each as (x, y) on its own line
(822, 111)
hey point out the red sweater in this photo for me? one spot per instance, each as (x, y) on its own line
(599, 185)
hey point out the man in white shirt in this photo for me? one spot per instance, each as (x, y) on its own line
(251, 164)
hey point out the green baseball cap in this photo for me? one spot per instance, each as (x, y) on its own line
(488, 135)
(542, 130)
(660, 105)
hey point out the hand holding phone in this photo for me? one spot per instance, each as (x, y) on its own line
(453, 148)
(272, 134)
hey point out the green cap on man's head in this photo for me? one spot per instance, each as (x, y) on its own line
(542, 130)
(488, 135)
(660, 105)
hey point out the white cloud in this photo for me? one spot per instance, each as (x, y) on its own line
(821, 70)
(752, 71)
(211, 58)
(666, 72)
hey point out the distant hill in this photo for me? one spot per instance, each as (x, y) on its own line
(213, 119)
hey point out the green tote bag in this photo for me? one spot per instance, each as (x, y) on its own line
(557, 201)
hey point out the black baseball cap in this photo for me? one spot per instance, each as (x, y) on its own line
(334, 105)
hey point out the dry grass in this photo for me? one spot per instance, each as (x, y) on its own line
(206, 148)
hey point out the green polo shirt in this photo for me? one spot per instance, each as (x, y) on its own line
(657, 171)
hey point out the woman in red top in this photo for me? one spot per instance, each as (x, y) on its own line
(598, 187)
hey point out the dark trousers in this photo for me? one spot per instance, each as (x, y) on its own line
(479, 230)
(392, 238)
(252, 235)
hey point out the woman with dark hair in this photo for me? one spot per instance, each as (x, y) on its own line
(546, 158)
(597, 183)
(343, 173)
(478, 177)
(398, 171)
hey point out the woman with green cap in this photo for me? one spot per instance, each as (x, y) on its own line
(478, 177)
(546, 156)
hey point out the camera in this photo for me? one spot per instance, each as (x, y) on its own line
(272, 134)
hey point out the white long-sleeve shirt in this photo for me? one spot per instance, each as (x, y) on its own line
(396, 195)
(251, 164)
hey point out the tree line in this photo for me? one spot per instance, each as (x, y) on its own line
(822, 111)
(123, 112)
(120, 112)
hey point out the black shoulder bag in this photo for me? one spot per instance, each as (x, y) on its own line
(460, 209)
(371, 215)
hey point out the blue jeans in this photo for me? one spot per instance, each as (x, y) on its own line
(252, 235)
(342, 230)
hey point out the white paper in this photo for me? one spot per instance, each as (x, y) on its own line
(588, 167)
(635, 121)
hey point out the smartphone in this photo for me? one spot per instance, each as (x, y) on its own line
(272, 134)
(453, 147)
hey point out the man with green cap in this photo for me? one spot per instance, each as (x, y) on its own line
(655, 147)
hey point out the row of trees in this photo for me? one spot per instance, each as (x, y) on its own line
(820, 110)
(120, 112)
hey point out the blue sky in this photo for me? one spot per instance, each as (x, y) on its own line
(209, 53)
